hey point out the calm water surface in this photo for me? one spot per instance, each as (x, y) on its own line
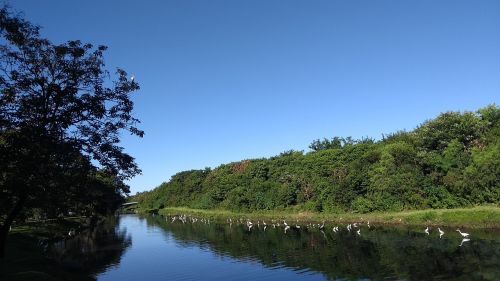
(154, 248)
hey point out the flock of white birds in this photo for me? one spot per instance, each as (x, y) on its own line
(352, 227)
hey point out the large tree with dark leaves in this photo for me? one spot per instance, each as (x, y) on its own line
(61, 116)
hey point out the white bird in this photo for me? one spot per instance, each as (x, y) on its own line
(132, 78)
(322, 226)
(368, 224)
(287, 228)
(464, 240)
(463, 233)
(71, 232)
(358, 232)
(441, 233)
(427, 230)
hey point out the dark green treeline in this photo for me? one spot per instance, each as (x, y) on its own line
(450, 161)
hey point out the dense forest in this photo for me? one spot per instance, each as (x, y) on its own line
(447, 162)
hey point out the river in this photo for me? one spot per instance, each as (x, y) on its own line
(133, 247)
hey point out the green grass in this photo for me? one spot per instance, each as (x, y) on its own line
(50, 229)
(475, 217)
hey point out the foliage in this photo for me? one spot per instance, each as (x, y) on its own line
(447, 162)
(60, 126)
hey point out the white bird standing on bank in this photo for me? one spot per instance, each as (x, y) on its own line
(465, 235)
(287, 228)
(358, 232)
(427, 230)
(441, 233)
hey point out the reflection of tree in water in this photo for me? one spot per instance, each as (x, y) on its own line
(94, 250)
(376, 254)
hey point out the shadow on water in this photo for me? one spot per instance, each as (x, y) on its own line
(94, 250)
(378, 253)
(82, 257)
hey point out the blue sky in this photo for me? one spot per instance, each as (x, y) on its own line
(225, 80)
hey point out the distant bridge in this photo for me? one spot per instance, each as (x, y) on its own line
(129, 204)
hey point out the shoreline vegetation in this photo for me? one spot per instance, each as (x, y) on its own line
(474, 217)
(432, 175)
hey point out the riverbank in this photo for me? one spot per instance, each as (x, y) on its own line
(475, 217)
(25, 258)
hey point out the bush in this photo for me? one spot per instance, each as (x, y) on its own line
(362, 205)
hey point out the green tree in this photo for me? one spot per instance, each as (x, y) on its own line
(396, 178)
(449, 161)
(437, 133)
(60, 118)
(335, 142)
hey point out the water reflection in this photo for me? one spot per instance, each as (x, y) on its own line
(92, 251)
(378, 253)
(166, 250)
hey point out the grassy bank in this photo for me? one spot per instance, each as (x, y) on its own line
(25, 258)
(476, 217)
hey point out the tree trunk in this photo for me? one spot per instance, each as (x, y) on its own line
(5, 228)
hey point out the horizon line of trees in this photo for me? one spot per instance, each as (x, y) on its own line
(447, 162)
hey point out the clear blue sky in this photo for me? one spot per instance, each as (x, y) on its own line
(228, 80)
